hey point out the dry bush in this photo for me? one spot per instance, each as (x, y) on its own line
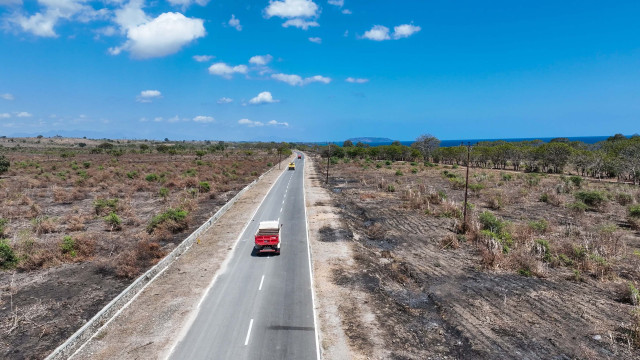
(61, 195)
(43, 225)
(525, 263)
(85, 246)
(364, 196)
(190, 182)
(450, 242)
(376, 232)
(495, 199)
(450, 209)
(74, 223)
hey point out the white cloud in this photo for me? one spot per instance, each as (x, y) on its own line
(235, 23)
(316, 40)
(263, 98)
(158, 119)
(226, 71)
(174, 119)
(275, 123)
(300, 23)
(202, 58)
(261, 59)
(317, 78)
(7, 96)
(291, 9)
(346, 11)
(296, 80)
(23, 114)
(356, 80)
(250, 123)
(405, 30)
(131, 15)
(43, 23)
(377, 33)
(162, 36)
(203, 119)
(224, 100)
(4, 116)
(186, 3)
(147, 96)
(292, 80)
(339, 3)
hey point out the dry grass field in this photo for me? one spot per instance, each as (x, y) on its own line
(78, 227)
(549, 266)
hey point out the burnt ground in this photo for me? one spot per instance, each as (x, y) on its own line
(436, 293)
(50, 294)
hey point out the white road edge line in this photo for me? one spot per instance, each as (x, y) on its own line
(246, 341)
(222, 269)
(313, 298)
(261, 281)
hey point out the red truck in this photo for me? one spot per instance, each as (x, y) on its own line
(299, 156)
(268, 237)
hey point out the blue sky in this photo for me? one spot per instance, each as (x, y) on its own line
(302, 70)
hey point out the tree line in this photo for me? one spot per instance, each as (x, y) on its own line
(615, 157)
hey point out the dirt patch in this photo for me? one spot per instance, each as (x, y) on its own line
(556, 285)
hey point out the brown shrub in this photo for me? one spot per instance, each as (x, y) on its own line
(75, 223)
(450, 242)
(376, 232)
(43, 225)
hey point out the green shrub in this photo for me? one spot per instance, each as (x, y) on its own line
(413, 163)
(4, 164)
(577, 206)
(506, 177)
(634, 211)
(68, 246)
(525, 272)
(544, 197)
(254, 173)
(191, 173)
(163, 192)
(334, 160)
(532, 180)
(387, 162)
(113, 220)
(8, 258)
(269, 164)
(455, 166)
(592, 198)
(414, 170)
(178, 216)
(391, 188)
(103, 205)
(491, 222)
(576, 180)
(540, 226)
(378, 165)
(86, 164)
(3, 224)
(132, 174)
(204, 186)
(151, 177)
(398, 173)
(429, 164)
(476, 187)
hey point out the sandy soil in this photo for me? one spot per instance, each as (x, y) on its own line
(147, 328)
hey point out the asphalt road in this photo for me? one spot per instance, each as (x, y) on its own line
(261, 307)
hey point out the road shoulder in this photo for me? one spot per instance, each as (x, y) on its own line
(332, 253)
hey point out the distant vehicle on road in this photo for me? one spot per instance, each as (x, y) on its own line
(292, 166)
(268, 237)
(299, 156)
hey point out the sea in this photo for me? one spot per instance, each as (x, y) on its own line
(448, 143)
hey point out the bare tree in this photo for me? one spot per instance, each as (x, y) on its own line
(427, 144)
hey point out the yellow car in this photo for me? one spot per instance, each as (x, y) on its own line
(292, 166)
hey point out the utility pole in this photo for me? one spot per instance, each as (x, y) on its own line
(466, 188)
(279, 153)
(328, 161)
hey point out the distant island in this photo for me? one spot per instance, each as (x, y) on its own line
(369, 140)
